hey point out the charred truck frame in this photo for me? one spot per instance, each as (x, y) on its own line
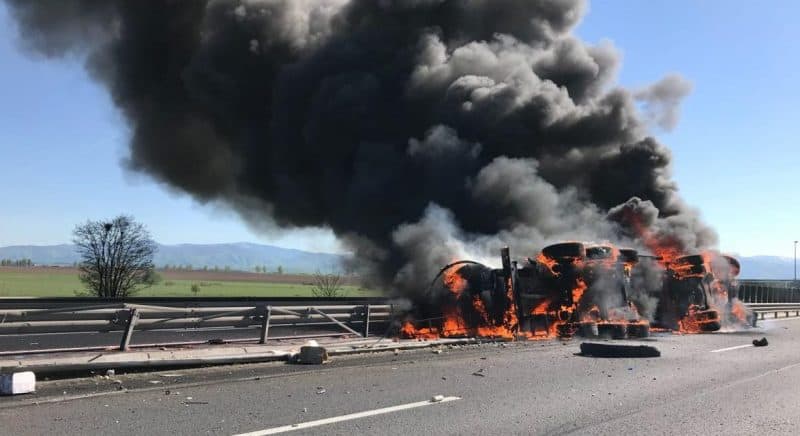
(693, 286)
(570, 289)
(574, 289)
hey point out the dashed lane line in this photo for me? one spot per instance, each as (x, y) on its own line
(351, 416)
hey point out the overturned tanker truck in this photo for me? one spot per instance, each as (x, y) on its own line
(569, 289)
(697, 291)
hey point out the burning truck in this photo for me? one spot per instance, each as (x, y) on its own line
(698, 295)
(572, 288)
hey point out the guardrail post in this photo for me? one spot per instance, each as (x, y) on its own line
(265, 325)
(366, 321)
(133, 316)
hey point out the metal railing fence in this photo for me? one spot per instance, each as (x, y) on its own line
(340, 317)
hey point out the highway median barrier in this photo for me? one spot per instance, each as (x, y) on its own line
(79, 362)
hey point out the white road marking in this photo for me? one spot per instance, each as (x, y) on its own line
(731, 348)
(335, 419)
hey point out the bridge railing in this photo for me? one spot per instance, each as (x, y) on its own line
(768, 291)
(291, 317)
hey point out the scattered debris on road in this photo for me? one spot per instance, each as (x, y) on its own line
(760, 342)
(595, 349)
(437, 398)
(311, 354)
(321, 390)
(17, 383)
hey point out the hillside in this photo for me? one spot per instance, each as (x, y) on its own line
(767, 267)
(240, 256)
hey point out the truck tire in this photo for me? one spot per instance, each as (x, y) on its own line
(595, 349)
(638, 330)
(588, 329)
(613, 330)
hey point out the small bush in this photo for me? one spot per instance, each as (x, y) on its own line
(169, 283)
(195, 289)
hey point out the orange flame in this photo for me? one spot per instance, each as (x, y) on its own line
(548, 262)
(739, 311)
(578, 291)
(453, 323)
(697, 320)
(454, 282)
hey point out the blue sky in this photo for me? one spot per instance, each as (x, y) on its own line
(735, 147)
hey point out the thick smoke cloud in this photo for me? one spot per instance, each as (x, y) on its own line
(662, 100)
(418, 130)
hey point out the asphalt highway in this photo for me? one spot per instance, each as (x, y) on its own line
(711, 384)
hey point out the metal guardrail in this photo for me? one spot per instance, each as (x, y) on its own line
(761, 291)
(788, 309)
(56, 302)
(338, 317)
(36, 316)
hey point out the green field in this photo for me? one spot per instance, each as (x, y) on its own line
(54, 284)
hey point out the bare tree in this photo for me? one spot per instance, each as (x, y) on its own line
(116, 256)
(327, 285)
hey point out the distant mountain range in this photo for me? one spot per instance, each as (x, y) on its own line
(245, 256)
(767, 267)
(240, 256)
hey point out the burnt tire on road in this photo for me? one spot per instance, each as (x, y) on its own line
(595, 349)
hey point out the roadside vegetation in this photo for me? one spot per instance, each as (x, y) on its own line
(117, 261)
(116, 257)
(64, 282)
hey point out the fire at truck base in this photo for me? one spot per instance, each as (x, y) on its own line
(576, 289)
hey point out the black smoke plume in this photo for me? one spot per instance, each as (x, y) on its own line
(419, 131)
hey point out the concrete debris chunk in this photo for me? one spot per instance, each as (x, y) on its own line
(110, 373)
(311, 355)
(437, 398)
(17, 383)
